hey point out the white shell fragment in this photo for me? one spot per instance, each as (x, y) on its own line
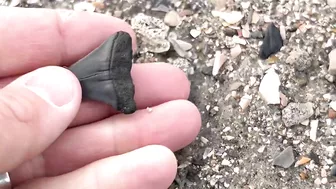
(229, 17)
(333, 105)
(313, 129)
(245, 102)
(84, 6)
(269, 87)
(218, 63)
(282, 32)
(235, 51)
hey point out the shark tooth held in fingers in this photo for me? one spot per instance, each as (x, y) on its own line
(105, 73)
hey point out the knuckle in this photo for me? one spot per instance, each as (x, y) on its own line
(17, 108)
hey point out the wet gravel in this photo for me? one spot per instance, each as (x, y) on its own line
(246, 129)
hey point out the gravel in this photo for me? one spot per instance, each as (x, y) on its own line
(242, 134)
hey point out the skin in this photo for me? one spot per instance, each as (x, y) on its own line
(50, 139)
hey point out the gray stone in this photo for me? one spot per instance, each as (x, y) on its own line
(300, 59)
(285, 159)
(296, 113)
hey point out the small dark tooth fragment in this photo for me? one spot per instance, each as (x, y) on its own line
(105, 73)
(272, 42)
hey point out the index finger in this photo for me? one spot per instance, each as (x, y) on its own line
(32, 38)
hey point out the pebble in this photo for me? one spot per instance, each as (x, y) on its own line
(324, 180)
(172, 18)
(285, 159)
(195, 33)
(269, 87)
(261, 149)
(331, 113)
(333, 171)
(296, 113)
(317, 181)
(272, 42)
(177, 45)
(332, 62)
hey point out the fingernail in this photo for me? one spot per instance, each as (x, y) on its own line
(53, 85)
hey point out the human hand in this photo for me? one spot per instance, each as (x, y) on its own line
(40, 146)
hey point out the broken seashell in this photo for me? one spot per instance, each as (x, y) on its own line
(218, 63)
(269, 87)
(302, 161)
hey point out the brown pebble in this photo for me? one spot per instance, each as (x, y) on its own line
(331, 113)
(303, 175)
(230, 32)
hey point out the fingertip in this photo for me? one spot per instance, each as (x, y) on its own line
(160, 161)
(157, 81)
(188, 125)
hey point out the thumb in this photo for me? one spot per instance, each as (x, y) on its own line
(34, 110)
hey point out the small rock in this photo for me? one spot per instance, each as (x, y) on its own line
(332, 62)
(300, 59)
(317, 181)
(331, 113)
(333, 171)
(226, 162)
(195, 33)
(283, 100)
(272, 42)
(172, 19)
(285, 159)
(296, 113)
(230, 32)
(261, 149)
(313, 129)
(184, 45)
(269, 87)
(178, 49)
(303, 175)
